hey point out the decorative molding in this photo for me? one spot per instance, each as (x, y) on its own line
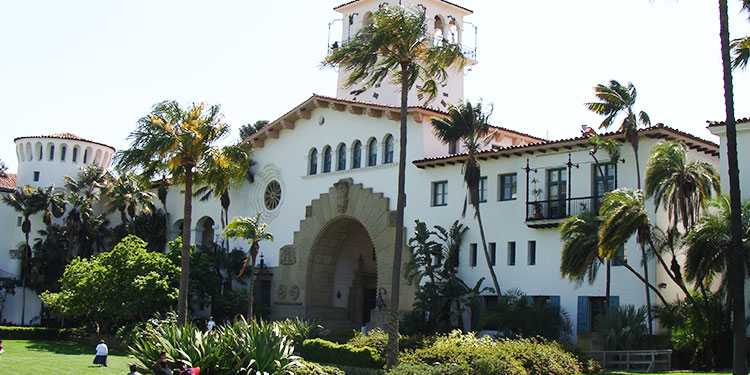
(294, 292)
(348, 171)
(281, 292)
(342, 195)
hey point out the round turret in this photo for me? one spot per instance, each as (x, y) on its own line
(46, 160)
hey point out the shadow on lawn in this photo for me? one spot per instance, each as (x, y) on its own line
(66, 347)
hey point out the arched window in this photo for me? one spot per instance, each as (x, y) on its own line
(85, 156)
(341, 157)
(39, 151)
(372, 153)
(63, 151)
(388, 149)
(356, 154)
(75, 154)
(313, 166)
(51, 152)
(327, 159)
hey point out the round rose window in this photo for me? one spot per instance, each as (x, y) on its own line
(272, 196)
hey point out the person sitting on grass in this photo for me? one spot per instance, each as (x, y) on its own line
(101, 354)
(162, 368)
(134, 370)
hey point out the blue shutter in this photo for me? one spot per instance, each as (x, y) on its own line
(529, 300)
(583, 314)
(554, 300)
(614, 301)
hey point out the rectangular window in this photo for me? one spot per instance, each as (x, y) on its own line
(557, 190)
(511, 253)
(19, 221)
(36, 176)
(439, 193)
(507, 187)
(621, 255)
(493, 253)
(473, 254)
(532, 253)
(602, 184)
(482, 189)
(452, 147)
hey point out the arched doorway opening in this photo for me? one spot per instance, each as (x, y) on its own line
(343, 273)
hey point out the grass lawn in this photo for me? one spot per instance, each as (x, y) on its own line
(24, 357)
(669, 373)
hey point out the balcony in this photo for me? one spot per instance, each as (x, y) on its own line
(549, 213)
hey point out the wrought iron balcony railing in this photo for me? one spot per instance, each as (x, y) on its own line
(558, 209)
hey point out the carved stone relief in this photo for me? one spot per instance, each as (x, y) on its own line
(281, 292)
(342, 195)
(288, 255)
(294, 292)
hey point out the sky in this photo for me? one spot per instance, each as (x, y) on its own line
(94, 67)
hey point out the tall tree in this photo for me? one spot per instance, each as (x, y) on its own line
(252, 230)
(709, 251)
(469, 125)
(682, 187)
(27, 202)
(615, 100)
(225, 170)
(397, 44)
(250, 129)
(612, 148)
(87, 230)
(737, 281)
(125, 194)
(179, 142)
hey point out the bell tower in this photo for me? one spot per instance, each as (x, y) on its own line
(444, 21)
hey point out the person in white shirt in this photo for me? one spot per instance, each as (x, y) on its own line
(210, 324)
(101, 354)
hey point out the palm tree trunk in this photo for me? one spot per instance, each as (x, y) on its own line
(644, 281)
(643, 248)
(487, 254)
(392, 346)
(182, 298)
(680, 283)
(608, 286)
(23, 275)
(737, 272)
(250, 296)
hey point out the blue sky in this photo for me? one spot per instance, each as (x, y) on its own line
(94, 67)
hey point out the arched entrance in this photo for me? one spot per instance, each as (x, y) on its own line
(342, 290)
(320, 275)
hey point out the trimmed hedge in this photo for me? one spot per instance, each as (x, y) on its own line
(309, 368)
(39, 333)
(323, 351)
(378, 340)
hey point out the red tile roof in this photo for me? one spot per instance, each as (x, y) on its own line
(68, 136)
(8, 183)
(447, 2)
(722, 123)
(655, 131)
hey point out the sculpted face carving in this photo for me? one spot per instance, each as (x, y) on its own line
(342, 195)
(294, 292)
(288, 255)
(281, 292)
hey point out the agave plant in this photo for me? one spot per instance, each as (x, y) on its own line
(238, 348)
(299, 330)
(622, 327)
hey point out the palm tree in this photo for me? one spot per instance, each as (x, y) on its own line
(87, 231)
(614, 100)
(396, 43)
(467, 124)
(252, 230)
(126, 193)
(737, 281)
(580, 255)
(179, 142)
(225, 170)
(613, 150)
(682, 187)
(709, 249)
(26, 201)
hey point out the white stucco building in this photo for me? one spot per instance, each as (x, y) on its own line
(326, 183)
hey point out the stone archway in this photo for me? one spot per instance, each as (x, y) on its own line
(348, 220)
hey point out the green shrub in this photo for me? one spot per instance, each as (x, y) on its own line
(516, 317)
(483, 355)
(310, 368)
(450, 369)
(299, 330)
(378, 340)
(623, 327)
(322, 351)
(39, 333)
